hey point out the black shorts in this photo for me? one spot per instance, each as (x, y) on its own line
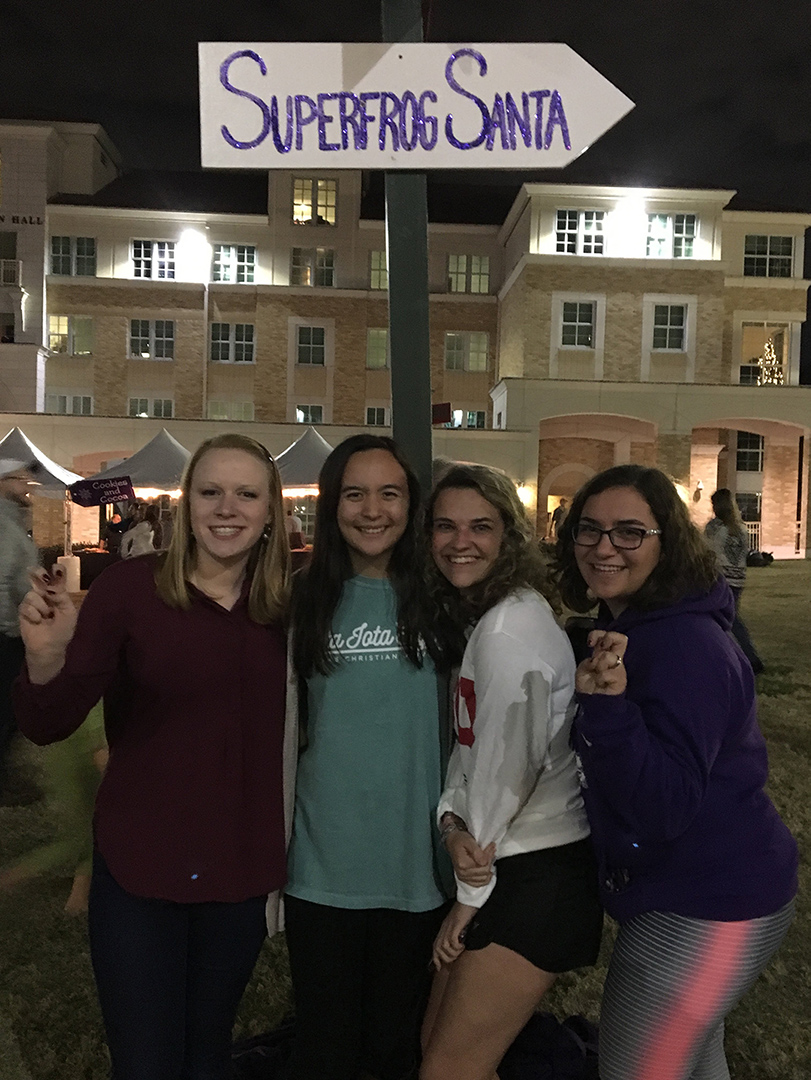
(545, 906)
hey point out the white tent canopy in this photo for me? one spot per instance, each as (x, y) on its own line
(159, 464)
(300, 464)
(51, 478)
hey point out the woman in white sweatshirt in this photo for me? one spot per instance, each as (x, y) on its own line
(511, 814)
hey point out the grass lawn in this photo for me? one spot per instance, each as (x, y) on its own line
(50, 1027)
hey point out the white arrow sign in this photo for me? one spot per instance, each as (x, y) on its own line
(409, 106)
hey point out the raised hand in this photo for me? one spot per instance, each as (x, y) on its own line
(47, 622)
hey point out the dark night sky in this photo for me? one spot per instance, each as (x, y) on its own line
(723, 91)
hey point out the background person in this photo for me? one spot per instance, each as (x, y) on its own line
(695, 863)
(18, 555)
(364, 897)
(512, 792)
(189, 651)
(726, 535)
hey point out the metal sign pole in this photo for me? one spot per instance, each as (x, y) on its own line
(407, 261)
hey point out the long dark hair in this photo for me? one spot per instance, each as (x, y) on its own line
(519, 563)
(317, 589)
(726, 510)
(686, 564)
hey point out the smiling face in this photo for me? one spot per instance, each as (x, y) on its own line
(229, 506)
(466, 536)
(613, 575)
(372, 509)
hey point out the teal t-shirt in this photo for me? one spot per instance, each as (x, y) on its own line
(369, 780)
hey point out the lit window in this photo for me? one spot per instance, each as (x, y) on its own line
(73, 256)
(70, 334)
(378, 272)
(309, 414)
(579, 232)
(232, 343)
(377, 348)
(152, 339)
(234, 263)
(749, 452)
(468, 273)
(577, 324)
(671, 236)
(768, 256)
(311, 345)
(668, 326)
(312, 266)
(375, 416)
(230, 410)
(153, 259)
(314, 201)
(466, 351)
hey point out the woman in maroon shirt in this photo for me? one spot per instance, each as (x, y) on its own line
(188, 650)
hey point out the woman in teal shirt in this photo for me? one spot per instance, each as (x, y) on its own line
(365, 895)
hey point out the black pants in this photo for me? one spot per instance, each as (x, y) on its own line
(12, 653)
(170, 978)
(361, 980)
(741, 635)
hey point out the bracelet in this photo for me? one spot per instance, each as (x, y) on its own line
(453, 825)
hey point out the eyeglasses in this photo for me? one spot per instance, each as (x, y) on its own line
(622, 537)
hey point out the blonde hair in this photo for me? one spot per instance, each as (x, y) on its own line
(269, 562)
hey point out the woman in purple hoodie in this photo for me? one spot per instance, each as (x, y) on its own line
(695, 863)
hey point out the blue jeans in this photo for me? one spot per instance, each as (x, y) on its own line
(170, 978)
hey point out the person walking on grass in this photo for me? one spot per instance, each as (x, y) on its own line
(696, 865)
(511, 814)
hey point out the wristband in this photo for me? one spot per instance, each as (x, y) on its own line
(449, 827)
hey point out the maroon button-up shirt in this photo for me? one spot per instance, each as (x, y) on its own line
(190, 808)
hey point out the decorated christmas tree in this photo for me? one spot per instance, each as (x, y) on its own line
(771, 369)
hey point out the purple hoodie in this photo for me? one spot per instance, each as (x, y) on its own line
(674, 773)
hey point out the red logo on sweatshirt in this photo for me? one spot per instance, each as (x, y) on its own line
(465, 692)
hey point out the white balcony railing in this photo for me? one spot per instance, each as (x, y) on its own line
(753, 533)
(10, 271)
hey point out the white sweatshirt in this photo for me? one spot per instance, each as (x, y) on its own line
(512, 775)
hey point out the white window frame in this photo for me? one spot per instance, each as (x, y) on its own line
(295, 370)
(78, 262)
(314, 201)
(377, 345)
(378, 271)
(156, 259)
(579, 323)
(793, 320)
(308, 328)
(382, 416)
(466, 341)
(156, 408)
(771, 258)
(650, 301)
(71, 331)
(233, 264)
(755, 453)
(313, 267)
(69, 403)
(669, 236)
(240, 410)
(158, 339)
(469, 274)
(303, 417)
(580, 232)
(240, 338)
(556, 345)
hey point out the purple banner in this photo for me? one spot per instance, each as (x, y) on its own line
(97, 492)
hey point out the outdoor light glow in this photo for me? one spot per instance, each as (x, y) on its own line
(193, 256)
(154, 493)
(524, 494)
(299, 492)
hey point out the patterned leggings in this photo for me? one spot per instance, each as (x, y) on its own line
(671, 982)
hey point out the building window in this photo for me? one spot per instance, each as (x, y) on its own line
(377, 348)
(378, 270)
(768, 256)
(70, 334)
(314, 201)
(161, 408)
(476, 418)
(749, 452)
(466, 351)
(580, 232)
(749, 505)
(69, 404)
(669, 322)
(312, 266)
(153, 259)
(309, 414)
(375, 416)
(577, 324)
(234, 263)
(749, 374)
(311, 345)
(469, 273)
(152, 339)
(73, 256)
(230, 410)
(671, 236)
(232, 343)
